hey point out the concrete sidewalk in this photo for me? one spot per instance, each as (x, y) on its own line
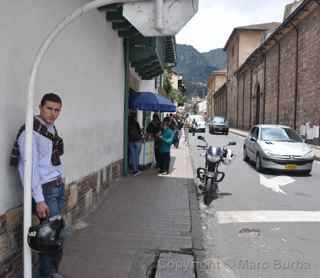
(142, 228)
(316, 149)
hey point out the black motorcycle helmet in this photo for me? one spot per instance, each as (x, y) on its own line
(45, 237)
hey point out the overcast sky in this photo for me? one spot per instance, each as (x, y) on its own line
(215, 20)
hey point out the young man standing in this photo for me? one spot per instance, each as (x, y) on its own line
(47, 174)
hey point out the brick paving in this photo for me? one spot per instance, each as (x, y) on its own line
(140, 219)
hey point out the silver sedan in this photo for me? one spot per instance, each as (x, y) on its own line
(277, 147)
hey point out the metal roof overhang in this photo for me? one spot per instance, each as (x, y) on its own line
(148, 55)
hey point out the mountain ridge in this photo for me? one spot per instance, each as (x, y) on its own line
(196, 67)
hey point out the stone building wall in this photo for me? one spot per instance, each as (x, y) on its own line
(220, 101)
(247, 93)
(309, 70)
(272, 84)
(287, 78)
(257, 93)
(80, 198)
(232, 101)
(247, 100)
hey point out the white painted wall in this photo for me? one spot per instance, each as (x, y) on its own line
(147, 86)
(202, 106)
(84, 66)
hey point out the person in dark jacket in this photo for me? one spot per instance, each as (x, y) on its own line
(177, 131)
(135, 138)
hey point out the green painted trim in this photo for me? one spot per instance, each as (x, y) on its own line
(142, 54)
(144, 62)
(126, 107)
(151, 75)
(145, 67)
(150, 70)
(115, 16)
(129, 33)
(125, 25)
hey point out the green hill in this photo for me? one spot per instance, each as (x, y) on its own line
(196, 67)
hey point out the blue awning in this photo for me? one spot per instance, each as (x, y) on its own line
(148, 101)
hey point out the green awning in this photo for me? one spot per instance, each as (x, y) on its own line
(148, 55)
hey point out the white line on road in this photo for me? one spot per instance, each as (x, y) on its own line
(260, 216)
(275, 183)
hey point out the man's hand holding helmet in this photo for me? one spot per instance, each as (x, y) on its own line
(42, 210)
(45, 236)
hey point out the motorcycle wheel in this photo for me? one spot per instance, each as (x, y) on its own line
(211, 193)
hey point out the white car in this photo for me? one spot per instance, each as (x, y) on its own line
(277, 147)
(200, 123)
(201, 126)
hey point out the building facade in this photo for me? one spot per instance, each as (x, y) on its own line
(85, 66)
(91, 65)
(221, 101)
(278, 82)
(175, 79)
(241, 43)
(215, 81)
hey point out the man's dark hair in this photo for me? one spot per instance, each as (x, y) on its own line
(166, 120)
(156, 117)
(50, 97)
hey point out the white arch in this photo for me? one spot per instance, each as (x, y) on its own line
(27, 263)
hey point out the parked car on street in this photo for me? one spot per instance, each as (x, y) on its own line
(218, 124)
(277, 147)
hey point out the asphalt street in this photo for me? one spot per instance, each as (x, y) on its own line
(262, 225)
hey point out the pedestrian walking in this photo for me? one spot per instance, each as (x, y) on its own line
(194, 126)
(186, 128)
(166, 139)
(177, 131)
(47, 174)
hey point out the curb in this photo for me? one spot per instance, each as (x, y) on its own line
(198, 249)
(238, 133)
(196, 227)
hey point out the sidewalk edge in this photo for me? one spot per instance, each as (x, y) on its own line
(196, 231)
(198, 249)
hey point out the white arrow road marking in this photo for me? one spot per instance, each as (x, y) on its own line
(256, 216)
(275, 183)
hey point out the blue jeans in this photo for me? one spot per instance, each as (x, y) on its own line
(54, 198)
(134, 149)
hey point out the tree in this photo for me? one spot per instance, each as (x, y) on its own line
(175, 95)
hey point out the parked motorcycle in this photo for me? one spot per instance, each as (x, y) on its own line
(210, 175)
